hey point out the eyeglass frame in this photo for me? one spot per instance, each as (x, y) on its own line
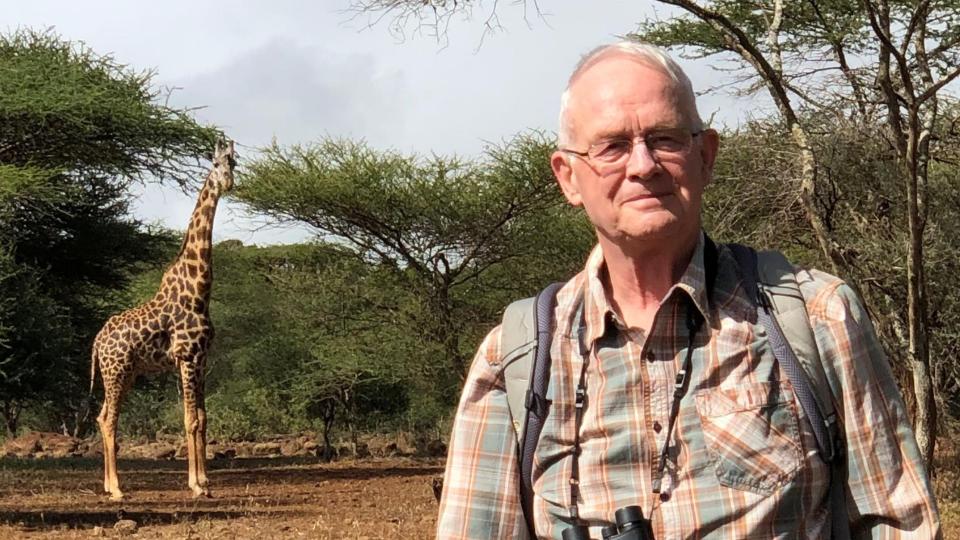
(585, 155)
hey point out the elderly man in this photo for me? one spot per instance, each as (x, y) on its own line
(731, 456)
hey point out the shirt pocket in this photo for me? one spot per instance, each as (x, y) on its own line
(752, 435)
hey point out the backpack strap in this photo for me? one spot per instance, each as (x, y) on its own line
(770, 281)
(526, 334)
(779, 281)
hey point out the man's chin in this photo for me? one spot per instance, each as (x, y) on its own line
(652, 230)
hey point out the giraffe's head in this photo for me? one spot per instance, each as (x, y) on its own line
(221, 174)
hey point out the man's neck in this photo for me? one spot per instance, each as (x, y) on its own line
(639, 277)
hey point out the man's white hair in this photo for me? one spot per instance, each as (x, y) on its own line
(649, 54)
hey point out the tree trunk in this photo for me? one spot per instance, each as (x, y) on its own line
(447, 330)
(925, 421)
(83, 419)
(808, 187)
(11, 417)
(912, 150)
(329, 415)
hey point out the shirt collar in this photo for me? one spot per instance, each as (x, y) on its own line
(598, 312)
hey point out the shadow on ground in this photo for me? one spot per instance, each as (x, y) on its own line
(351, 470)
(54, 520)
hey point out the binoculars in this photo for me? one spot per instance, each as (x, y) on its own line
(630, 525)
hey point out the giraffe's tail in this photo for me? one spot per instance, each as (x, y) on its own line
(94, 360)
(93, 368)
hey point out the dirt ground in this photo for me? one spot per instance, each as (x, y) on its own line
(253, 498)
(263, 499)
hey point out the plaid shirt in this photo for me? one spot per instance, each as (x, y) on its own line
(743, 460)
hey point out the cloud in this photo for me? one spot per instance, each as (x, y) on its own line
(298, 94)
(294, 93)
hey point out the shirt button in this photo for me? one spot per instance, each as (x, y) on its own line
(650, 356)
(664, 497)
(657, 427)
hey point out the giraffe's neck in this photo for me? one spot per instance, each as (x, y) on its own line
(194, 260)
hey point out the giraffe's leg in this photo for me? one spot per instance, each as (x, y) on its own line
(107, 434)
(107, 420)
(189, 423)
(190, 380)
(202, 440)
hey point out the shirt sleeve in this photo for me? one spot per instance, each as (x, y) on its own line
(888, 491)
(481, 483)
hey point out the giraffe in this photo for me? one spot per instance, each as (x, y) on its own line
(171, 331)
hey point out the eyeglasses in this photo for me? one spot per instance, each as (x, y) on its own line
(663, 144)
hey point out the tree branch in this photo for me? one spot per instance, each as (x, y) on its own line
(840, 54)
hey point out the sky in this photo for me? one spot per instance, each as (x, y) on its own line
(299, 70)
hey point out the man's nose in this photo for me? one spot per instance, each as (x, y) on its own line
(641, 163)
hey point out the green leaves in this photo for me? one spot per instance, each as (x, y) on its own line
(64, 106)
(407, 211)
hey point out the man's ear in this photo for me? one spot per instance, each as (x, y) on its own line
(563, 172)
(709, 145)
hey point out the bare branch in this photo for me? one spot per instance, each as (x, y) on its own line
(805, 96)
(739, 42)
(945, 46)
(432, 17)
(919, 15)
(932, 91)
(881, 29)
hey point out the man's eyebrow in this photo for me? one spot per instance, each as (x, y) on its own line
(662, 127)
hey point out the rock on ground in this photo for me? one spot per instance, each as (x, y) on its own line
(125, 526)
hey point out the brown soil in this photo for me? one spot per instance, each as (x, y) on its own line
(252, 498)
(264, 498)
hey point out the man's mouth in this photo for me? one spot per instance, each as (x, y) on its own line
(645, 197)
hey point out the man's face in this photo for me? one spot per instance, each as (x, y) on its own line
(648, 196)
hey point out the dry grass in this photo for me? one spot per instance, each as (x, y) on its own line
(946, 484)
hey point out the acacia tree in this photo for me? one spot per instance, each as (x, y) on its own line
(441, 225)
